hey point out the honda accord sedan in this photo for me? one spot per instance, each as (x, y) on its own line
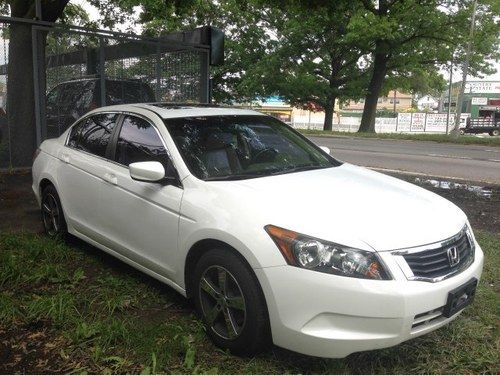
(274, 240)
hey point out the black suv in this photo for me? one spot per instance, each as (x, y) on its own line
(69, 100)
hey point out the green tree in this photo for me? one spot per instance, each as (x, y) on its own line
(406, 36)
(313, 60)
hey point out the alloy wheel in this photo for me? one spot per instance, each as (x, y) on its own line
(50, 214)
(222, 302)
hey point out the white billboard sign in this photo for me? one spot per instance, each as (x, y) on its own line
(417, 122)
(479, 101)
(436, 122)
(404, 122)
(483, 87)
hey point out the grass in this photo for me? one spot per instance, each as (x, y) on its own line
(441, 138)
(70, 308)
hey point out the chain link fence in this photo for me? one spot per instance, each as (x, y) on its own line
(4, 129)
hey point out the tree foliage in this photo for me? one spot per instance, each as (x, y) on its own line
(312, 52)
(301, 54)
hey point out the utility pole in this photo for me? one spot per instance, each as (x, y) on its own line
(394, 100)
(448, 113)
(465, 68)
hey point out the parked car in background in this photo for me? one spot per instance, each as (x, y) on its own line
(70, 100)
(272, 238)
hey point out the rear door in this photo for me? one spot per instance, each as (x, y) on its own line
(83, 171)
(141, 218)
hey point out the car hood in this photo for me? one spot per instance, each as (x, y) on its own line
(349, 205)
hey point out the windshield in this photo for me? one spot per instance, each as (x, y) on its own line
(240, 147)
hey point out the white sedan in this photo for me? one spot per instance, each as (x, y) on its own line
(272, 238)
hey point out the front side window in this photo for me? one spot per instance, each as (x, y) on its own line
(239, 147)
(93, 133)
(138, 141)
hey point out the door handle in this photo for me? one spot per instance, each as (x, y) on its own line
(65, 158)
(111, 178)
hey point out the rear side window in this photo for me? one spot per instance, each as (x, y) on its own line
(93, 134)
(139, 141)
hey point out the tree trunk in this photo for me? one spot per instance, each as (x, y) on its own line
(327, 125)
(20, 87)
(20, 100)
(374, 88)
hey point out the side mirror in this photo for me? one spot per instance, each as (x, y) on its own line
(148, 171)
(325, 149)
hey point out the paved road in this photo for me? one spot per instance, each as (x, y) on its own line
(473, 163)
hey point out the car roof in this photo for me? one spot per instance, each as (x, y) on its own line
(169, 110)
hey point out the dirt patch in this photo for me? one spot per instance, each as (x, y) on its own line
(32, 349)
(18, 207)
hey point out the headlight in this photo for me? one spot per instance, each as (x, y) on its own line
(307, 252)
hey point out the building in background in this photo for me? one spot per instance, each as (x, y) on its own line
(395, 101)
(481, 99)
(274, 106)
(428, 103)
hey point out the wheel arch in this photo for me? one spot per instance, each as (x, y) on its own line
(44, 182)
(201, 247)
(195, 253)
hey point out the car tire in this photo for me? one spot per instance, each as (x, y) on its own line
(234, 312)
(495, 133)
(54, 223)
(462, 132)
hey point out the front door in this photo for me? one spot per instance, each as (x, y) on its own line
(141, 218)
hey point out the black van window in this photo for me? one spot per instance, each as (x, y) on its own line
(124, 92)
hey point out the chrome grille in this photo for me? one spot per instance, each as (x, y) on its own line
(438, 261)
(427, 319)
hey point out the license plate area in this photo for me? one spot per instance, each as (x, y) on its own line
(460, 297)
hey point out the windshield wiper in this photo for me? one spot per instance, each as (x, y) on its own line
(240, 176)
(266, 172)
(301, 168)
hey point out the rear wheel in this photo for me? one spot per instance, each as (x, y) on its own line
(495, 133)
(53, 220)
(230, 302)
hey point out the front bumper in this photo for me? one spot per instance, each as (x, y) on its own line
(332, 316)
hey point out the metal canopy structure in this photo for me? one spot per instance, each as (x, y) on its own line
(174, 67)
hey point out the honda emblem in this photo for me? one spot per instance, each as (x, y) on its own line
(453, 256)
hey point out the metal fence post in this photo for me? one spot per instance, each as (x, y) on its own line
(39, 85)
(204, 77)
(158, 73)
(102, 72)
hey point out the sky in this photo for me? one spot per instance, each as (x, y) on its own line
(94, 14)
